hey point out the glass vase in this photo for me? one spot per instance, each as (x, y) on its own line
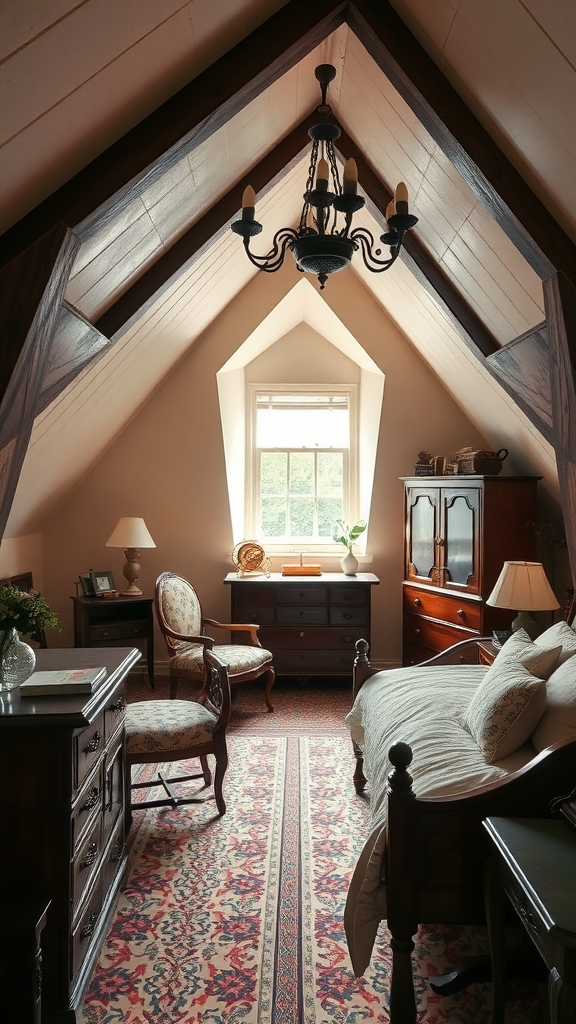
(17, 660)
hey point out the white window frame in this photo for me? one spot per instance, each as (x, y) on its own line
(351, 466)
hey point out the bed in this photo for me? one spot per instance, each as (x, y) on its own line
(423, 860)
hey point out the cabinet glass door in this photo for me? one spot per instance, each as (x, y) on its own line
(461, 512)
(422, 523)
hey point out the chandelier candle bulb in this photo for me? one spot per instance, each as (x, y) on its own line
(401, 198)
(350, 177)
(390, 209)
(322, 175)
(248, 203)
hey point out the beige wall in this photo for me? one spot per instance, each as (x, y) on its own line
(168, 464)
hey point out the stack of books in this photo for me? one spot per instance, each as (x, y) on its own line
(62, 681)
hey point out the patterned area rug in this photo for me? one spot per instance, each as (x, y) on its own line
(238, 920)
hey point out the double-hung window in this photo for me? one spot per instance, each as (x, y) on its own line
(303, 463)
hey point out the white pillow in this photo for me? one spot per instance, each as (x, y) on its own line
(559, 720)
(505, 709)
(521, 650)
(560, 633)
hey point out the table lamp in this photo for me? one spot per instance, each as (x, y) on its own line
(524, 587)
(131, 534)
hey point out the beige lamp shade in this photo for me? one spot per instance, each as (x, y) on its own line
(523, 586)
(130, 532)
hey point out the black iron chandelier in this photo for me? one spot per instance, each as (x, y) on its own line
(321, 245)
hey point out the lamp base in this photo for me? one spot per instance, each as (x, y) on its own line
(525, 621)
(131, 572)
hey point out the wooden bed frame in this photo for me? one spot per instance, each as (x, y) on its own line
(436, 846)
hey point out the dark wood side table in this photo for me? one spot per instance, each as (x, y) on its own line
(113, 622)
(533, 865)
(486, 652)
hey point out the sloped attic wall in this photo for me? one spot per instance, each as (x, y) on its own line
(168, 466)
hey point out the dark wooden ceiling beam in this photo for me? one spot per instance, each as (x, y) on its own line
(560, 301)
(135, 161)
(488, 172)
(263, 176)
(423, 266)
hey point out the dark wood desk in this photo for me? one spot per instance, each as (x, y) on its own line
(310, 623)
(533, 865)
(62, 766)
(115, 622)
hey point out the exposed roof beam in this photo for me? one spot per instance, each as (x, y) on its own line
(192, 244)
(560, 300)
(413, 253)
(76, 345)
(462, 138)
(522, 367)
(187, 119)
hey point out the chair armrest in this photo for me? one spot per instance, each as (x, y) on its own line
(240, 627)
(206, 641)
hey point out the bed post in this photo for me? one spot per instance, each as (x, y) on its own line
(401, 884)
(360, 673)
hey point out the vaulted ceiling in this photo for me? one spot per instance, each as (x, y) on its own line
(124, 153)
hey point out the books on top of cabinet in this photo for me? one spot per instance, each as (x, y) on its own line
(62, 681)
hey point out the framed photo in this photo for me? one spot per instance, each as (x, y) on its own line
(87, 586)
(102, 581)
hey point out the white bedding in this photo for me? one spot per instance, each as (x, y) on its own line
(420, 706)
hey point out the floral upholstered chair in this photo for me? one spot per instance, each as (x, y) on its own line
(183, 627)
(177, 730)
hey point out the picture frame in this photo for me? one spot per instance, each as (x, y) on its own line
(102, 581)
(87, 585)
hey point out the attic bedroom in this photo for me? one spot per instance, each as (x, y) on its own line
(137, 339)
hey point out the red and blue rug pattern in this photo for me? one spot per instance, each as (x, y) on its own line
(238, 920)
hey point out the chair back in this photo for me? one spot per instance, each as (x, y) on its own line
(216, 691)
(177, 608)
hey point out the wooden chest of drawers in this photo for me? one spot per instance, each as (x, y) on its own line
(63, 770)
(309, 623)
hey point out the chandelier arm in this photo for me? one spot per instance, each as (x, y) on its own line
(366, 240)
(274, 259)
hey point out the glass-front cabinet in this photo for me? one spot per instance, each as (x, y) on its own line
(443, 537)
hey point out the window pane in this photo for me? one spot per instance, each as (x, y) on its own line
(302, 428)
(330, 474)
(273, 473)
(329, 510)
(302, 473)
(274, 517)
(302, 517)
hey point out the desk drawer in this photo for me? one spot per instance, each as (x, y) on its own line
(301, 594)
(349, 595)
(118, 631)
(114, 713)
(258, 613)
(439, 606)
(88, 747)
(86, 862)
(309, 614)
(357, 614)
(88, 807)
(86, 927)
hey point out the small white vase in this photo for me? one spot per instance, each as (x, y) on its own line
(349, 564)
(17, 660)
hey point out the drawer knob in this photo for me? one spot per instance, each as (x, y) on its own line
(118, 706)
(347, 615)
(89, 927)
(461, 613)
(347, 639)
(90, 857)
(417, 602)
(417, 632)
(104, 632)
(118, 850)
(301, 634)
(93, 744)
(462, 659)
(92, 799)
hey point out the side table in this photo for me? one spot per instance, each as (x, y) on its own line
(111, 622)
(486, 652)
(533, 865)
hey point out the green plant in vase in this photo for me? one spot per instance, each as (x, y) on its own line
(21, 614)
(348, 535)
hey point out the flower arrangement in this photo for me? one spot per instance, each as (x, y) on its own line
(27, 613)
(348, 535)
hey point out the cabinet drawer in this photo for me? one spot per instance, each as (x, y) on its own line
(253, 594)
(413, 654)
(324, 639)
(113, 789)
(114, 856)
(118, 631)
(308, 614)
(349, 595)
(88, 747)
(86, 926)
(435, 635)
(298, 595)
(86, 863)
(258, 613)
(528, 914)
(114, 714)
(354, 615)
(439, 606)
(314, 661)
(88, 807)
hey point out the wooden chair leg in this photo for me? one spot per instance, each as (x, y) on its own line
(270, 677)
(221, 755)
(206, 769)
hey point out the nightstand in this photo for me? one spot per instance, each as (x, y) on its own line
(486, 652)
(113, 622)
(533, 865)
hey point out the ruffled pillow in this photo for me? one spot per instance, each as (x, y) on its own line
(520, 650)
(560, 633)
(505, 709)
(559, 719)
